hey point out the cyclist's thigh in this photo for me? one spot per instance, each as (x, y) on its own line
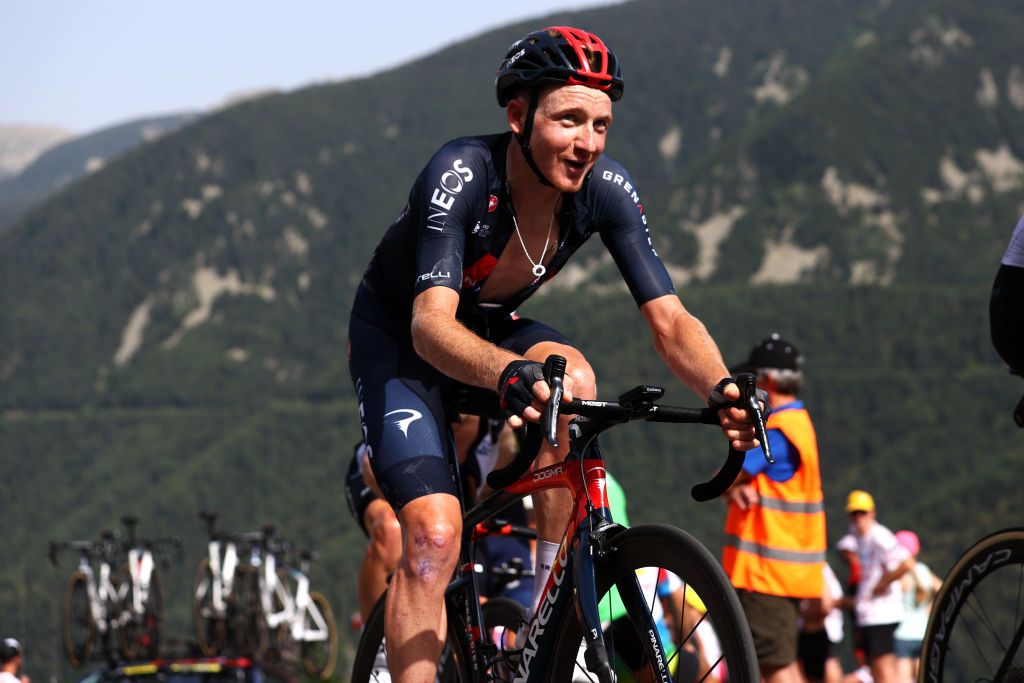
(402, 414)
(536, 341)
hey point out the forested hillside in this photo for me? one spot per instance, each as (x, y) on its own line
(173, 326)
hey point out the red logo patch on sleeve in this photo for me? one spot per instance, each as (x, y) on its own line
(492, 204)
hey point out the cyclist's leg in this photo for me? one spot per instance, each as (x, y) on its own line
(379, 523)
(537, 341)
(382, 553)
(402, 415)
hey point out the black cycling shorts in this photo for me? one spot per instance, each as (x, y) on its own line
(1006, 316)
(402, 402)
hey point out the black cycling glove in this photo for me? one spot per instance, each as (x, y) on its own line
(717, 399)
(515, 388)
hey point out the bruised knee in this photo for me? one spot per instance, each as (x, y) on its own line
(431, 551)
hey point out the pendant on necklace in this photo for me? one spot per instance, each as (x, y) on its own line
(539, 270)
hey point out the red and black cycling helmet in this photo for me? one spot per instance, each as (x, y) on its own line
(559, 54)
(556, 55)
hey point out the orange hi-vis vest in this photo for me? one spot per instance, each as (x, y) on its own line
(778, 546)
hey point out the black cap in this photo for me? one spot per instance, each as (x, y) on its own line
(9, 650)
(772, 352)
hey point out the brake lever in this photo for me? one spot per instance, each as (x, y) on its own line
(747, 383)
(554, 372)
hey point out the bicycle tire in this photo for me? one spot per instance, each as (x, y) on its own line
(209, 628)
(247, 631)
(320, 656)
(977, 614)
(502, 618)
(665, 547)
(454, 666)
(77, 620)
(139, 635)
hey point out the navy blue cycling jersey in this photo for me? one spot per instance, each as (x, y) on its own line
(458, 221)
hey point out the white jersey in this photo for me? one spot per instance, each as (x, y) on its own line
(1014, 255)
(879, 552)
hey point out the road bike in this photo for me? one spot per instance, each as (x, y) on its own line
(142, 606)
(92, 600)
(976, 625)
(226, 599)
(599, 563)
(301, 620)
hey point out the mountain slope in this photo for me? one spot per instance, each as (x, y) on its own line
(71, 159)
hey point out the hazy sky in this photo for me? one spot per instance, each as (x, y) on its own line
(86, 64)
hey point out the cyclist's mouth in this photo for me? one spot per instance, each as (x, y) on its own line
(575, 168)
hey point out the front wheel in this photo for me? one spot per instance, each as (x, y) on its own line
(686, 594)
(139, 634)
(78, 627)
(371, 665)
(977, 621)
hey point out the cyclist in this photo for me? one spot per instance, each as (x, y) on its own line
(378, 521)
(489, 220)
(775, 528)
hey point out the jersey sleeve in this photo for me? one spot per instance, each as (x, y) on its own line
(620, 218)
(448, 194)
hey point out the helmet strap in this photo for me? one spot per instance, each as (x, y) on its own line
(524, 138)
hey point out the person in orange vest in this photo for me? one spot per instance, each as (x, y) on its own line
(775, 542)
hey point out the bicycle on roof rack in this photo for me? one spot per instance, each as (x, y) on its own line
(226, 616)
(120, 599)
(301, 621)
(602, 573)
(142, 617)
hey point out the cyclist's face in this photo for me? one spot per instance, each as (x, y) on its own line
(569, 133)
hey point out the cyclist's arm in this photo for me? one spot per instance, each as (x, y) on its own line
(691, 354)
(444, 342)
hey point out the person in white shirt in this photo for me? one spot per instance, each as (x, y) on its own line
(878, 604)
(10, 662)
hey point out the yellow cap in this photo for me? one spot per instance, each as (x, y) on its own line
(694, 601)
(860, 501)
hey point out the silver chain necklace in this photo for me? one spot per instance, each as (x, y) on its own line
(538, 265)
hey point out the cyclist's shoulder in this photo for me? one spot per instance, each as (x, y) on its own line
(477, 151)
(610, 177)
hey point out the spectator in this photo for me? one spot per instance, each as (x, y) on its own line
(878, 604)
(775, 528)
(919, 588)
(10, 662)
(820, 633)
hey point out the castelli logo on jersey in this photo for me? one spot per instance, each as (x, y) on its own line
(492, 204)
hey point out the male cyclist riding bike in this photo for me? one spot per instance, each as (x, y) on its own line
(489, 220)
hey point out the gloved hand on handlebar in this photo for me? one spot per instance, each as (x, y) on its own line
(737, 422)
(523, 392)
